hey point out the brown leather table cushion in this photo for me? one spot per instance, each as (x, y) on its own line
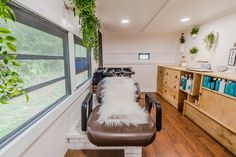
(102, 135)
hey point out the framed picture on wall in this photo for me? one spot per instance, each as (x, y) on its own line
(232, 57)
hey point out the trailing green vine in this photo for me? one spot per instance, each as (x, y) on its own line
(85, 9)
(11, 84)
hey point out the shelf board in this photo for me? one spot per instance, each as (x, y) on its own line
(185, 91)
(226, 95)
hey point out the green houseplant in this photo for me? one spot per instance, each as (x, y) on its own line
(85, 9)
(193, 50)
(11, 84)
(194, 31)
(211, 39)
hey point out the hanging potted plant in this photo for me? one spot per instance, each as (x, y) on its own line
(194, 32)
(211, 39)
(193, 51)
(182, 41)
(85, 10)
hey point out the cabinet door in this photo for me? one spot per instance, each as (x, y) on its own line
(220, 107)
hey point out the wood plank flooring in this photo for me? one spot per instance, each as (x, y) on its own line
(179, 137)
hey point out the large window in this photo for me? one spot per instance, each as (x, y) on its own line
(43, 55)
(82, 62)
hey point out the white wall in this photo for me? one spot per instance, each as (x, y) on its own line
(225, 25)
(46, 138)
(121, 49)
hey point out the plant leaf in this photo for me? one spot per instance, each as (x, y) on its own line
(15, 64)
(26, 95)
(5, 60)
(4, 31)
(10, 38)
(11, 14)
(12, 57)
(11, 46)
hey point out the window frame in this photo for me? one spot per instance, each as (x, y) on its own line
(31, 19)
(78, 41)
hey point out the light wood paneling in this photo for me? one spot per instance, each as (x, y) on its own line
(215, 129)
(220, 107)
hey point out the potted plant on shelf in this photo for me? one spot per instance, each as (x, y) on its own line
(182, 41)
(193, 51)
(194, 32)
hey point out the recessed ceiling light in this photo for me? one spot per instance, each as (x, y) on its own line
(125, 21)
(185, 19)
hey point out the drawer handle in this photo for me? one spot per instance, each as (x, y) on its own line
(165, 82)
(166, 73)
(174, 96)
(174, 87)
(165, 91)
(176, 76)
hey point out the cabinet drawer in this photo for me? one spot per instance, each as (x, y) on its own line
(175, 75)
(166, 74)
(174, 96)
(170, 95)
(172, 84)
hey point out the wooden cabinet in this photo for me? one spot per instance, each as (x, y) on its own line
(212, 111)
(168, 85)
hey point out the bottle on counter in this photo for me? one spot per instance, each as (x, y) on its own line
(213, 83)
(189, 83)
(235, 91)
(227, 87)
(185, 82)
(222, 86)
(232, 88)
(182, 82)
(217, 86)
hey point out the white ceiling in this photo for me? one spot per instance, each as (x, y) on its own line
(159, 15)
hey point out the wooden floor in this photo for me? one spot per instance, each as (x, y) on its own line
(179, 137)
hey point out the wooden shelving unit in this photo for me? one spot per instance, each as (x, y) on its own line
(213, 111)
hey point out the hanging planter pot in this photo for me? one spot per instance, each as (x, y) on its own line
(194, 36)
(210, 40)
(194, 32)
(193, 52)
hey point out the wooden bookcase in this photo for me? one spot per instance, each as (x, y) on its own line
(213, 111)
